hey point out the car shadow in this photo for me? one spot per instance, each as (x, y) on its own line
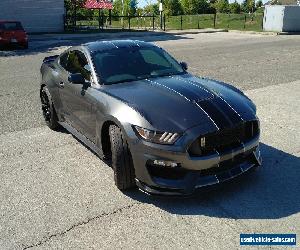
(271, 192)
(62, 130)
(47, 44)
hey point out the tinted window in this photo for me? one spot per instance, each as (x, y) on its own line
(152, 57)
(124, 64)
(76, 62)
(11, 26)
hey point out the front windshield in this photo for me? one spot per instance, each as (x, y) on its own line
(124, 64)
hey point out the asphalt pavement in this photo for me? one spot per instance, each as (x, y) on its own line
(56, 194)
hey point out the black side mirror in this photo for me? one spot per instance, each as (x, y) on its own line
(184, 65)
(76, 78)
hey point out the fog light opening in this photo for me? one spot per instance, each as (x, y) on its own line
(163, 163)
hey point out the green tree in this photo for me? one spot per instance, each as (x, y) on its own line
(129, 7)
(117, 9)
(191, 7)
(235, 7)
(251, 5)
(152, 9)
(133, 7)
(259, 3)
(211, 7)
(244, 7)
(173, 7)
(222, 6)
(248, 6)
(76, 7)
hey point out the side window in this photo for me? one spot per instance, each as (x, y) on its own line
(77, 63)
(152, 57)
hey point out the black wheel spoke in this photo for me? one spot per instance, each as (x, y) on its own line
(45, 106)
(48, 110)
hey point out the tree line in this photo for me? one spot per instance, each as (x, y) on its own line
(193, 7)
(170, 7)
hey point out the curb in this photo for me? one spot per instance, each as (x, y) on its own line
(266, 33)
(180, 32)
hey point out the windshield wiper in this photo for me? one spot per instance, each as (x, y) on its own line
(120, 81)
(169, 74)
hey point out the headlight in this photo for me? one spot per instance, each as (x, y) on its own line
(156, 136)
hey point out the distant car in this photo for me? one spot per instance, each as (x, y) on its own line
(164, 130)
(12, 33)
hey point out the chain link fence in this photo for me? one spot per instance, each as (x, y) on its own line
(224, 21)
(112, 22)
(217, 21)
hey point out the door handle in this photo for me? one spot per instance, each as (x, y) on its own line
(61, 84)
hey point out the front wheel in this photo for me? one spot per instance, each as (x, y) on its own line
(48, 109)
(121, 159)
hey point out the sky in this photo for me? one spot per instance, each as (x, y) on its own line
(142, 3)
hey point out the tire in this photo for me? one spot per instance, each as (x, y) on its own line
(48, 109)
(121, 160)
(25, 46)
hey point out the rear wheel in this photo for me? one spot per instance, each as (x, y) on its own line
(48, 109)
(121, 159)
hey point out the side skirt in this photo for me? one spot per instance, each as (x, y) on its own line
(83, 139)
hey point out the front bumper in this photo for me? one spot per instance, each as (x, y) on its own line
(7, 42)
(193, 172)
(197, 181)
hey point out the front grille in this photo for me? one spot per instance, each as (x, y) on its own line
(225, 139)
(228, 164)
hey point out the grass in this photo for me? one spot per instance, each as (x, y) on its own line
(223, 21)
(240, 21)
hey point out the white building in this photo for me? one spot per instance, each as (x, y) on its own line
(282, 18)
(35, 15)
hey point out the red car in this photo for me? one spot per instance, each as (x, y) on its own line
(12, 33)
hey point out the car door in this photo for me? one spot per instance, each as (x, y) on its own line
(76, 100)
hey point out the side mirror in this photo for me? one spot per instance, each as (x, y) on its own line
(76, 78)
(184, 65)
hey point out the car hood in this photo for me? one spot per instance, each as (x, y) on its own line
(177, 103)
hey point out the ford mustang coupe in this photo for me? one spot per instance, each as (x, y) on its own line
(161, 128)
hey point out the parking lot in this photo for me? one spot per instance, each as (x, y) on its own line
(56, 194)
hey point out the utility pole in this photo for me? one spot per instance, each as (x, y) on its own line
(161, 15)
(122, 19)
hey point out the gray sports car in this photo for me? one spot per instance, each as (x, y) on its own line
(161, 128)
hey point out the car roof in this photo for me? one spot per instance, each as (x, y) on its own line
(115, 44)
